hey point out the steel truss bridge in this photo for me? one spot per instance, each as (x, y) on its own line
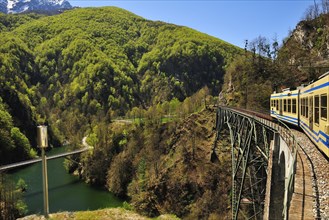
(255, 143)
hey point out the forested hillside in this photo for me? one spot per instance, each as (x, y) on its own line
(266, 66)
(306, 50)
(87, 65)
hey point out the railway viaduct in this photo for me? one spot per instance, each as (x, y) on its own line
(271, 178)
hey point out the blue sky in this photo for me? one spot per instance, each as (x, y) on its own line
(233, 21)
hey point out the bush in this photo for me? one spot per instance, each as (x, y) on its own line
(21, 185)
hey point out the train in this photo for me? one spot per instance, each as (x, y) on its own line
(306, 107)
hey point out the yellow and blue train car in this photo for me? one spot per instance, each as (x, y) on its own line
(314, 112)
(306, 107)
(284, 106)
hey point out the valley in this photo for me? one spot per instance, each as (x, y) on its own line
(142, 92)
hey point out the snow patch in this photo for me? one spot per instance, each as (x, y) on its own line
(18, 6)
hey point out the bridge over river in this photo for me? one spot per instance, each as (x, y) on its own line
(271, 178)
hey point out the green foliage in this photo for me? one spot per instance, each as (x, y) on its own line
(141, 174)
(21, 185)
(86, 65)
(78, 70)
(11, 199)
(251, 77)
(6, 142)
(304, 59)
(21, 207)
(92, 139)
(119, 176)
(173, 110)
(127, 206)
(11, 21)
(96, 165)
(20, 140)
(113, 49)
(190, 61)
(14, 145)
(145, 161)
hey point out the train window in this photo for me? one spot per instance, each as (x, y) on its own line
(294, 106)
(285, 105)
(277, 104)
(324, 107)
(316, 109)
(289, 105)
(306, 107)
(302, 106)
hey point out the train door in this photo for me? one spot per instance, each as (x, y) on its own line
(281, 107)
(310, 114)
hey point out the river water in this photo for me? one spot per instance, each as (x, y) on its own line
(66, 192)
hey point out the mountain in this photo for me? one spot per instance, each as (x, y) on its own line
(129, 60)
(83, 66)
(19, 6)
(3, 6)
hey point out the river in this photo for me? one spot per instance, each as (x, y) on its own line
(66, 192)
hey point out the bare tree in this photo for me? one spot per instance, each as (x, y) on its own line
(261, 46)
(275, 47)
(316, 9)
(313, 11)
(325, 6)
(309, 13)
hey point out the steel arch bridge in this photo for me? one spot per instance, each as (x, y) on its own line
(250, 149)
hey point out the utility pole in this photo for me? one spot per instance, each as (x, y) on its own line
(43, 144)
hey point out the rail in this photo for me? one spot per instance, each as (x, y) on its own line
(315, 182)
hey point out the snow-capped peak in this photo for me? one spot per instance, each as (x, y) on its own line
(18, 6)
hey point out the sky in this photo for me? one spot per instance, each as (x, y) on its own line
(232, 21)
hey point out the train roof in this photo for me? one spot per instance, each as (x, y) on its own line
(285, 93)
(322, 82)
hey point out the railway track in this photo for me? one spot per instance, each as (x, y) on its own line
(320, 168)
(311, 183)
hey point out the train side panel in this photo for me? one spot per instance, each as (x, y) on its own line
(314, 118)
(284, 106)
